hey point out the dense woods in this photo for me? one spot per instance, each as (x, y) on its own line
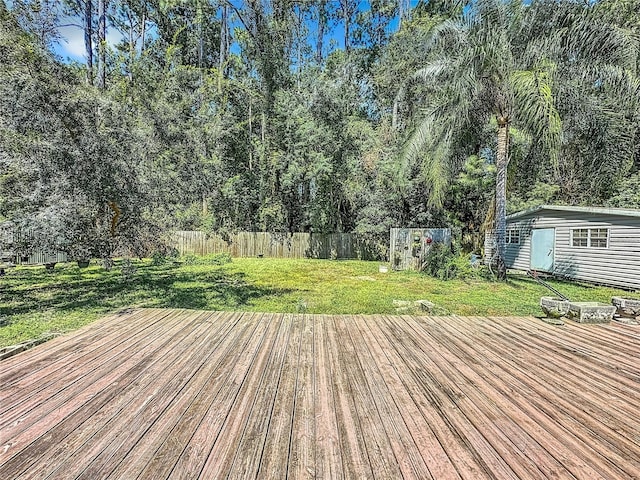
(311, 116)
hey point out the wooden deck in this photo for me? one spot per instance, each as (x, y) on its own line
(154, 394)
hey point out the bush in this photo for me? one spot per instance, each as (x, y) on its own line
(161, 257)
(217, 259)
(127, 269)
(464, 269)
(438, 262)
(443, 263)
(190, 259)
(158, 258)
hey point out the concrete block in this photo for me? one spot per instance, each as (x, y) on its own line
(590, 312)
(554, 307)
(627, 307)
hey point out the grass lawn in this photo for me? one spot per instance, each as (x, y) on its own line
(35, 302)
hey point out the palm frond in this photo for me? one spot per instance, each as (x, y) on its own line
(433, 71)
(535, 97)
(431, 143)
(436, 170)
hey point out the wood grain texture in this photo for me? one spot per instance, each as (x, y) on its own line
(157, 394)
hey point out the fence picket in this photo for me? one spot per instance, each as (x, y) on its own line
(295, 245)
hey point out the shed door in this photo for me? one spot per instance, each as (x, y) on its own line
(542, 249)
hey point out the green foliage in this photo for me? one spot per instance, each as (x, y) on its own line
(538, 194)
(190, 259)
(158, 258)
(446, 263)
(128, 269)
(217, 259)
(197, 128)
(438, 262)
(468, 201)
(509, 64)
(164, 256)
(627, 194)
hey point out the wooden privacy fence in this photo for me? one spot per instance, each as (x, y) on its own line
(294, 245)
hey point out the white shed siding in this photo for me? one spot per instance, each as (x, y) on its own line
(617, 265)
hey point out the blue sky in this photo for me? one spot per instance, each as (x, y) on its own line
(71, 47)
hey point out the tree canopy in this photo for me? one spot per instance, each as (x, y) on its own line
(317, 116)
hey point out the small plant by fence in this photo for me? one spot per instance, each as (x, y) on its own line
(295, 245)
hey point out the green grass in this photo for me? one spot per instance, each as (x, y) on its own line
(35, 302)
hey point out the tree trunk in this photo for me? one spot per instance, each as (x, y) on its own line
(88, 34)
(200, 22)
(502, 162)
(102, 43)
(322, 21)
(404, 12)
(144, 29)
(132, 44)
(223, 40)
(348, 8)
(250, 139)
(347, 24)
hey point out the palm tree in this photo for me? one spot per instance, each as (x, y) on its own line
(497, 65)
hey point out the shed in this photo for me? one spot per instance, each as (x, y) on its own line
(597, 245)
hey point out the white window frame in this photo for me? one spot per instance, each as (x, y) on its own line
(512, 234)
(590, 236)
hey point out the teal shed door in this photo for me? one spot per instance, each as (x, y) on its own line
(543, 241)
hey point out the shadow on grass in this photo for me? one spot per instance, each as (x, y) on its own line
(167, 287)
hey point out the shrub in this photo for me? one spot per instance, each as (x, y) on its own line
(163, 256)
(443, 263)
(463, 268)
(217, 259)
(158, 258)
(190, 259)
(438, 262)
(128, 270)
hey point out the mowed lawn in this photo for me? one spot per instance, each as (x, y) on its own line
(35, 302)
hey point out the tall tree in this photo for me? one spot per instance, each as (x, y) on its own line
(88, 37)
(348, 9)
(83, 11)
(40, 18)
(491, 67)
(129, 18)
(102, 43)
(322, 10)
(225, 42)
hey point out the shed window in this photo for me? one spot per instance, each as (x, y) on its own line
(590, 237)
(512, 236)
(598, 237)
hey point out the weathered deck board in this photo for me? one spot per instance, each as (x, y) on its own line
(94, 439)
(328, 462)
(277, 439)
(31, 401)
(156, 394)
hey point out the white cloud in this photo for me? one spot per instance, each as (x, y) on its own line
(72, 43)
(113, 37)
